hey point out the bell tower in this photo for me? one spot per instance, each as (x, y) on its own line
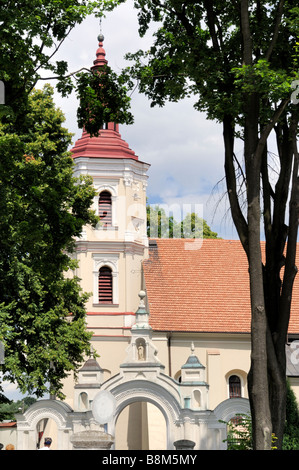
(110, 255)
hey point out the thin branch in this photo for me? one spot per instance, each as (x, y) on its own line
(65, 76)
(276, 29)
(56, 49)
(268, 128)
(211, 23)
(237, 215)
(239, 166)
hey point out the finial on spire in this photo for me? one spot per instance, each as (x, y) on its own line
(101, 36)
(141, 296)
(100, 60)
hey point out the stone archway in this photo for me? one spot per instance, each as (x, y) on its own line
(56, 411)
(140, 426)
(135, 391)
(227, 409)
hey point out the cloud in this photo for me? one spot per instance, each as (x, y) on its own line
(11, 391)
(184, 149)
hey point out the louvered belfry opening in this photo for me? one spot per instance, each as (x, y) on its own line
(105, 208)
(105, 285)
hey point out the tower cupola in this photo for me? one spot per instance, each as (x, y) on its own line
(109, 143)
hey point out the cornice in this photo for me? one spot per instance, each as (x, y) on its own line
(115, 168)
(110, 247)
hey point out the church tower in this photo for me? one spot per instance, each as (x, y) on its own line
(110, 256)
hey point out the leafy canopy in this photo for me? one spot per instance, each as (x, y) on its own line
(161, 223)
(43, 207)
(197, 50)
(31, 32)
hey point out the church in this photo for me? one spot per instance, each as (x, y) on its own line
(170, 320)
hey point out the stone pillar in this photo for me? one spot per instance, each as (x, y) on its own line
(91, 440)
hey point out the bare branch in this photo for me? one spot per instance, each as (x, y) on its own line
(65, 76)
(268, 128)
(237, 215)
(276, 29)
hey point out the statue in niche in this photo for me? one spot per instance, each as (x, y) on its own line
(141, 352)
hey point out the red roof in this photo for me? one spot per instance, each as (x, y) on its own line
(204, 289)
(108, 144)
(11, 424)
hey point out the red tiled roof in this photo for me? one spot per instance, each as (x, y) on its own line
(8, 425)
(204, 290)
(108, 144)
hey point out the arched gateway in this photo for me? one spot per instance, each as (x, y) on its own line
(182, 405)
(49, 412)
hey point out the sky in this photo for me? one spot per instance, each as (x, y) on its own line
(184, 149)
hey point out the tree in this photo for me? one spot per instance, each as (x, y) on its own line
(291, 432)
(162, 225)
(240, 59)
(194, 226)
(43, 208)
(11, 408)
(240, 434)
(31, 33)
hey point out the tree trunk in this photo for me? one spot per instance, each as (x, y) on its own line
(258, 375)
(277, 390)
(279, 293)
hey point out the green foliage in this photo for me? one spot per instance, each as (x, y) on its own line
(102, 98)
(162, 225)
(31, 33)
(239, 435)
(194, 226)
(10, 409)
(197, 49)
(43, 207)
(291, 431)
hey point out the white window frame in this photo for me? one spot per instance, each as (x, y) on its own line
(112, 189)
(110, 260)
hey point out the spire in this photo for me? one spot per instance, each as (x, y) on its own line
(109, 143)
(101, 54)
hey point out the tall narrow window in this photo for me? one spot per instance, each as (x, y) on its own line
(105, 209)
(234, 387)
(105, 285)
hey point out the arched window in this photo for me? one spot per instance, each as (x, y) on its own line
(105, 285)
(234, 387)
(105, 208)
